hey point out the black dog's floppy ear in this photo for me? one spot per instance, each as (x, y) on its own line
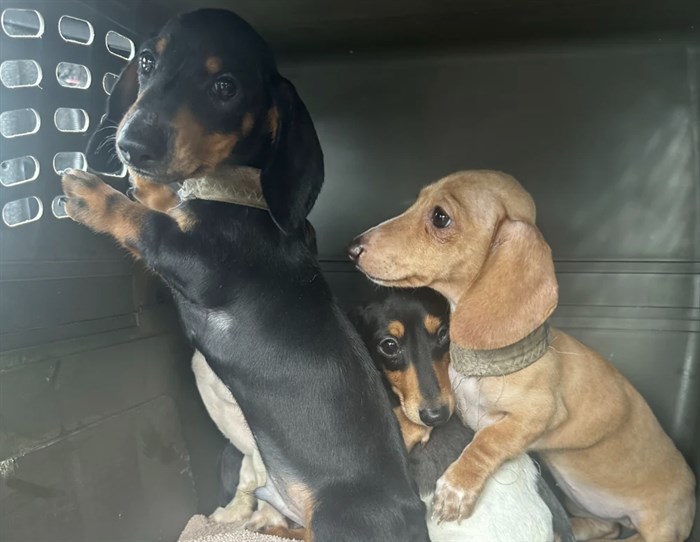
(101, 153)
(292, 177)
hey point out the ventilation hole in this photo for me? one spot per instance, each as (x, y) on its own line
(19, 122)
(18, 170)
(20, 73)
(22, 211)
(73, 75)
(70, 119)
(69, 160)
(74, 30)
(119, 45)
(58, 207)
(22, 23)
(108, 82)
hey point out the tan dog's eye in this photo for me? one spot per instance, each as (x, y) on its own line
(440, 218)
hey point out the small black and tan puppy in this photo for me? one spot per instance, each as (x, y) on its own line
(202, 95)
(406, 332)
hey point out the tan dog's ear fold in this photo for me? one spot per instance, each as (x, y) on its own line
(516, 291)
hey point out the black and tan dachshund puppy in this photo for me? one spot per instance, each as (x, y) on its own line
(205, 93)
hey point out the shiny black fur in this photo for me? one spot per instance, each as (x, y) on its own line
(253, 300)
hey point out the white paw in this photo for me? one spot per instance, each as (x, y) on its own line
(232, 514)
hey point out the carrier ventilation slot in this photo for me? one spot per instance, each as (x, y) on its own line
(74, 30)
(18, 170)
(72, 75)
(69, 160)
(22, 211)
(20, 73)
(22, 23)
(71, 119)
(119, 45)
(19, 122)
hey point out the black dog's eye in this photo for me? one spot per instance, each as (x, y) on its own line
(224, 87)
(440, 218)
(389, 347)
(443, 335)
(146, 63)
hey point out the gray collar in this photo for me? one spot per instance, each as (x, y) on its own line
(501, 361)
(239, 185)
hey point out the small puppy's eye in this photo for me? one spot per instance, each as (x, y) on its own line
(389, 348)
(443, 335)
(440, 218)
(146, 63)
(224, 87)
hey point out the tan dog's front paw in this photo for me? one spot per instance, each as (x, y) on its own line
(88, 198)
(454, 500)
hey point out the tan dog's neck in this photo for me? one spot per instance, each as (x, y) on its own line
(501, 361)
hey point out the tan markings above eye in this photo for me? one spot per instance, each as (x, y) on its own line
(213, 65)
(432, 323)
(396, 329)
(161, 44)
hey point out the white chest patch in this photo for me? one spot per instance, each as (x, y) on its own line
(222, 406)
(470, 406)
(228, 417)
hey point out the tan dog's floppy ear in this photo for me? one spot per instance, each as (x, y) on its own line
(101, 153)
(516, 290)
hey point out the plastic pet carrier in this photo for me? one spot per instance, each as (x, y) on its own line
(593, 106)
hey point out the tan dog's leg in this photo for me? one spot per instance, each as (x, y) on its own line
(459, 487)
(594, 529)
(242, 505)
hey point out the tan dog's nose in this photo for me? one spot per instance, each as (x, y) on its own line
(355, 249)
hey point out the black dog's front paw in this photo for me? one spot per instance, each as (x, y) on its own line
(89, 200)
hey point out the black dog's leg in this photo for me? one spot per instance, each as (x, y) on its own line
(140, 230)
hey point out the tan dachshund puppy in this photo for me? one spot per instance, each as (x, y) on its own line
(521, 385)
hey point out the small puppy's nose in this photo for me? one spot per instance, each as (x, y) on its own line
(355, 249)
(142, 154)
(434, 416)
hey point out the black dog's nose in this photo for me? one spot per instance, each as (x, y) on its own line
(142, 154)
(355, 249)
(434, 416)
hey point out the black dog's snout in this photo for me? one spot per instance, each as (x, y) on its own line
(434, 416)
(355, 249)
(143, 143)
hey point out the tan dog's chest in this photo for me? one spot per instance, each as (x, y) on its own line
(475, 409)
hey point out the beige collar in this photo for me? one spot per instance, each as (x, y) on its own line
(239, 185)
(501, 361)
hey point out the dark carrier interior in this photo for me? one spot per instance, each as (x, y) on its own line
(593, 106)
